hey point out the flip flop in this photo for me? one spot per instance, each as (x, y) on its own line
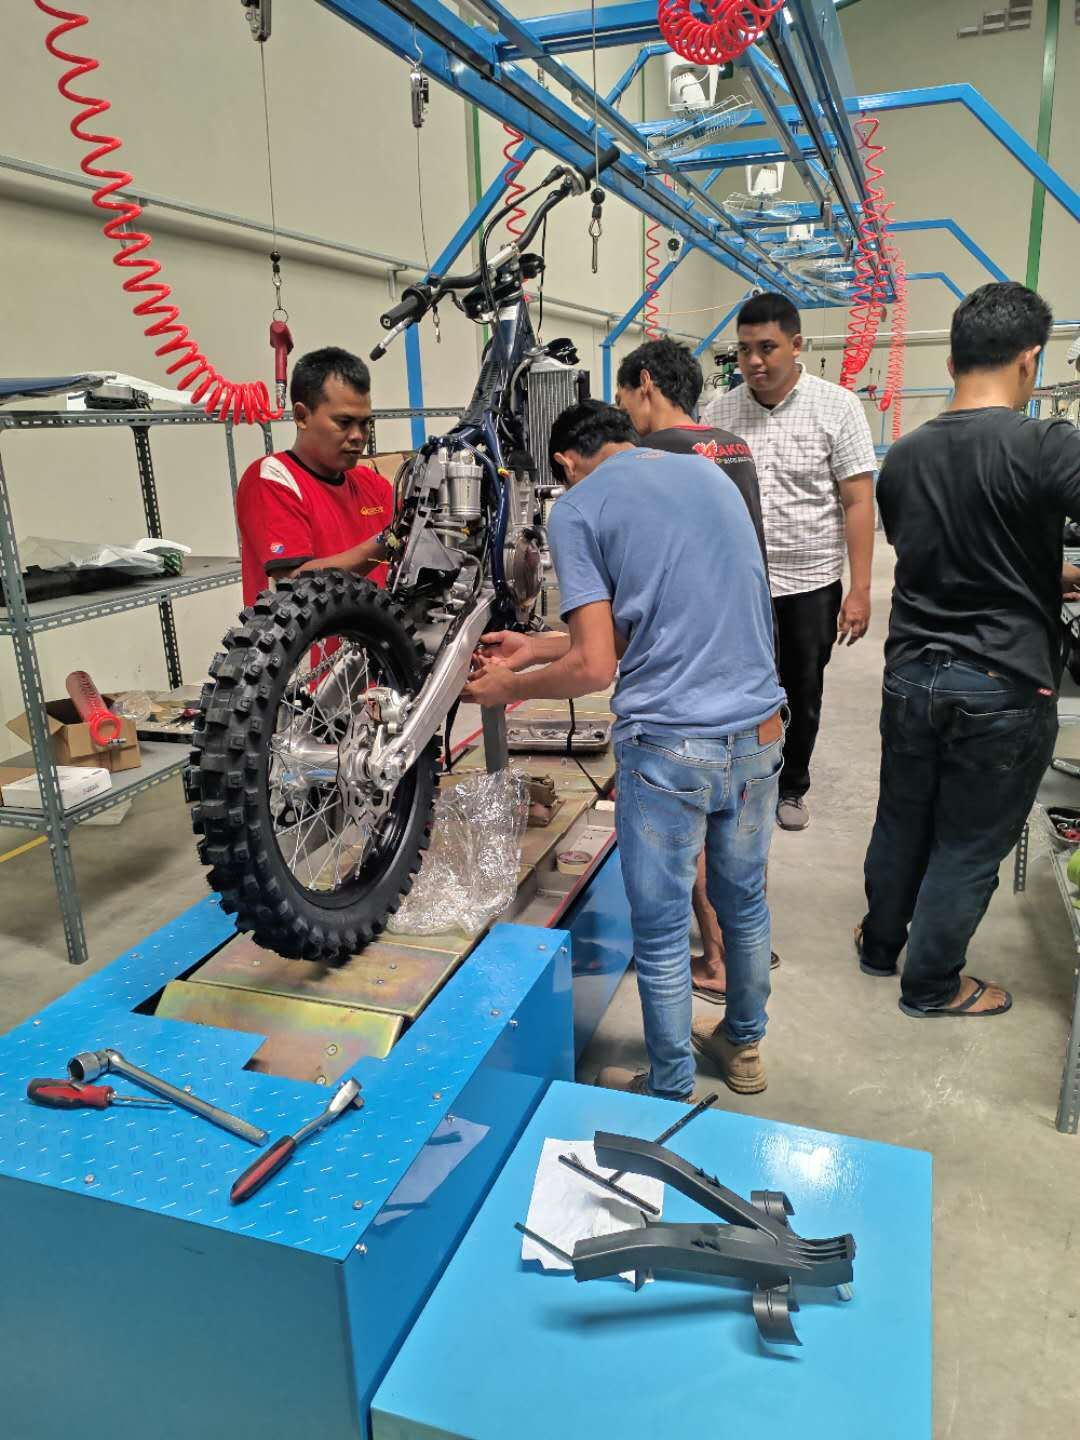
(964, 1011)
(866, 969)
(719, 997)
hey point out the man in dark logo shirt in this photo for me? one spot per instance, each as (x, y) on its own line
(974, 503)
(659, 385)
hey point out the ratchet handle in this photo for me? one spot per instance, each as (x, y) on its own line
(66, 1095)
(260, 1170)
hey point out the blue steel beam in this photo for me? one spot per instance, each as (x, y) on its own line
(620, 325)
(960, 233)
(748, 152)
(939, 275)
(525, 150)
(700, 348)
(462, 58)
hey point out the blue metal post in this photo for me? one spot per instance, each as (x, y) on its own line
(415, 376)
(620, 325)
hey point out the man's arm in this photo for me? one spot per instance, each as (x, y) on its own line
(857, 498)
(588, 664)
(361, 558)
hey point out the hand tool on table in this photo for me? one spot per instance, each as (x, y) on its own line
(269, 1163)
(70, 1095)
(91, 1064)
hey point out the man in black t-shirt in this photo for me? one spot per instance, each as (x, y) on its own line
(974, 503)
(658, 385)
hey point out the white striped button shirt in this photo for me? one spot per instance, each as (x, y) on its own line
(817, 436)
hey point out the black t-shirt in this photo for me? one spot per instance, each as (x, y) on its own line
(726, 450)
(974, 503)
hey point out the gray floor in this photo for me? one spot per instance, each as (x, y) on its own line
(980, 1095)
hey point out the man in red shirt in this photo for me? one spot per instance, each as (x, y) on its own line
(315, 507)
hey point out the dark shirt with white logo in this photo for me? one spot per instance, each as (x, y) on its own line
(727, 451)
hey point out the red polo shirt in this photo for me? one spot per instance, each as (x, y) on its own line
(287, 515)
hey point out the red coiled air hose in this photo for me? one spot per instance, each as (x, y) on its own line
(651, 312)
(870, 272)
(513, 187)
(732, 26)
(224, 398)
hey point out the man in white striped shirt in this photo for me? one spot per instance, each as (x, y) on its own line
(815, 460)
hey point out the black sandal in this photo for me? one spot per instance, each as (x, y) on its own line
(963, 1011)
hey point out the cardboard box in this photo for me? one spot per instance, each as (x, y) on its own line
(77, 783)
(71, 743)
(389, 464)
(10, 773)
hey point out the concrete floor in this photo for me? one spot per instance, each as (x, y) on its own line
(980, 1096)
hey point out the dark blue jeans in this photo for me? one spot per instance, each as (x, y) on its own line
(962, 754)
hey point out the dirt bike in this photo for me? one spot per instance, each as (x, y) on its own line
(313, 771)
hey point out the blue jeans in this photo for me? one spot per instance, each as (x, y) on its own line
(962, 754)
(677, 794)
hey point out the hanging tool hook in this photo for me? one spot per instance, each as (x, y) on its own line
(596, 229)
(258, 17)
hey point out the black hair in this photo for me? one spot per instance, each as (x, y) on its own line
(587, 428)
(995, 323)
(770, 309)
(311, 372)
(675, 371)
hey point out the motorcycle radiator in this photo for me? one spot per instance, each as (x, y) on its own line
(550, 388)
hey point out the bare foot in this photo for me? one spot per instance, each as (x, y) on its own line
(990, 999)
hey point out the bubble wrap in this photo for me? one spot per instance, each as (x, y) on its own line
(469, 872)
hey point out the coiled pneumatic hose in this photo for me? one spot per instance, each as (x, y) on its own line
(225, 399)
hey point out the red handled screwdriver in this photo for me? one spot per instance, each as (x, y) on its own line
(70, 1095)
(271, 1161)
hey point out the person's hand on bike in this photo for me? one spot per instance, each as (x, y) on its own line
(491, 682)
(508, 648)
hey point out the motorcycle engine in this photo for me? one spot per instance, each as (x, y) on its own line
(523, 563)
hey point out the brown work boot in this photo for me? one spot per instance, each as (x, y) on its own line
(740, 1065)
(614, 1077)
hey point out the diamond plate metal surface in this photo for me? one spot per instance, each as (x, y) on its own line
(174, 1163)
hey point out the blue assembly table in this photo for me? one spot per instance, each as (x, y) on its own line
(504, 1348)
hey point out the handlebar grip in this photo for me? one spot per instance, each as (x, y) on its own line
(414, 301)
(600, 164)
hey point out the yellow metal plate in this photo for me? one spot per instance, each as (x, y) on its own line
(391, 976)
(305, 1040)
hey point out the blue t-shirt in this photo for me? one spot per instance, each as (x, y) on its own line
(669, 541)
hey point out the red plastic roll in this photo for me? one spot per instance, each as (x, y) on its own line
(104, 726)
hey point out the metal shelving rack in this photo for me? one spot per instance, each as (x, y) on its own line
(24, 620)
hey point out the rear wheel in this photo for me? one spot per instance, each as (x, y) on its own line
(306, 853)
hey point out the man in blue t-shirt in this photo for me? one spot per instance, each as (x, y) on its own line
(660, 570)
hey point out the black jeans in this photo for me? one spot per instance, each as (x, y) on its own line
(962, 754)
(806, 633)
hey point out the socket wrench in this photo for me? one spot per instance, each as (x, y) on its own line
(88, 1065)
(271, 1161)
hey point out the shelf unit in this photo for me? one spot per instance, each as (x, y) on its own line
(23, 620)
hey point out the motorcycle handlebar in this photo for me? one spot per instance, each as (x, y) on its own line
(415, 299)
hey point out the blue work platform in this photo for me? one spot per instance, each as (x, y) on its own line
(136, 1302)
(506, 1349)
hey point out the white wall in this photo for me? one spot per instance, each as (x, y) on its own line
(184, 81)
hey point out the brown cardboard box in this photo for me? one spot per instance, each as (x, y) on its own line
(10, 773)
(389, 464)
(71, 743)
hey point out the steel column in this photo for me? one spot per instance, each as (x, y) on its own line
(1046, 117)
(56, 827)
(414, 373)
(148, 487)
